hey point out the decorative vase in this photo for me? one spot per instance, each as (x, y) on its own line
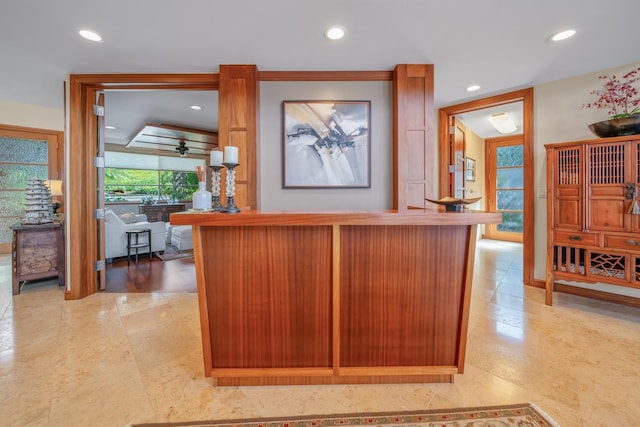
(202, 198)
(623, 126)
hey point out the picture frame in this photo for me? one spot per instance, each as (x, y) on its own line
(326, 144)
(470, 170)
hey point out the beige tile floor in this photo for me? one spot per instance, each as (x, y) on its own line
(115, 359)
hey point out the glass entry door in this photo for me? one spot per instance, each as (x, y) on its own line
(24, 154)
(505, 165)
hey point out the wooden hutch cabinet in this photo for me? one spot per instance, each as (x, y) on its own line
(593, 231)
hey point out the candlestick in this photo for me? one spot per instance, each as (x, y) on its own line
(231, 186)
(216, 158)
(230, 154)
(215, 186)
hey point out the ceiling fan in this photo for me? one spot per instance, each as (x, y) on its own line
(182, 149)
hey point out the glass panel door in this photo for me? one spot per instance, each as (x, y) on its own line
(23, 156)
(506, 188)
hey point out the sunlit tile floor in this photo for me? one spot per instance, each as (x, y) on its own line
(114, 359)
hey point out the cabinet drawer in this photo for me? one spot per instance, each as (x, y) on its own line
(576, 238)
(628, 243)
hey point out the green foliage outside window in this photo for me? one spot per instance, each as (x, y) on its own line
(137, 184)
(510, 156)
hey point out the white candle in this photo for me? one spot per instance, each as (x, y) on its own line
(216, 158)
(230, 154)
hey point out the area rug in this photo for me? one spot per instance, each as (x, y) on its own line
(521, 415)
(171, 252)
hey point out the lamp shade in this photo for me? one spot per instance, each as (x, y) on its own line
(55, 186)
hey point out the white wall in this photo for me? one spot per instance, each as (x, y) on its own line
(12, 113)
(274, 197)
(559, 118)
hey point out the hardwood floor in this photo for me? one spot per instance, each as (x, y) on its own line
(177, 275)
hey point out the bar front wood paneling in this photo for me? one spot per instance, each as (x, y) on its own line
(408, 314)
(334, 297)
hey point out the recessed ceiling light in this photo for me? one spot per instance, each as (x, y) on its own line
(90, 35)
(473, 88)
(110, 127)
(196, 107)
(334, 33)
(562, 35)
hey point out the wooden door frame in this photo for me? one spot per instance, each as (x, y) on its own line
(81, 177)
(526, 97)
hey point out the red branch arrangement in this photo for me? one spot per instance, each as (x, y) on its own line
(620, 97)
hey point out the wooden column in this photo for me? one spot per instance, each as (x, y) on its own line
(81, 186)
(413, 135)
(238, 125)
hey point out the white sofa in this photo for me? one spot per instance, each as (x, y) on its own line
(116, 236)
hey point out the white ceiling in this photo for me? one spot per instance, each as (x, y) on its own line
(501, 45)
(478, 121)
(130, 111)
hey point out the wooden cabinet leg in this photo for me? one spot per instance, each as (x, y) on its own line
(548, 291)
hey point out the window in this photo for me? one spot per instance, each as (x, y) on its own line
(152, 185)
(149, 178)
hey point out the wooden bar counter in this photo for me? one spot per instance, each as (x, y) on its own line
(334, 297)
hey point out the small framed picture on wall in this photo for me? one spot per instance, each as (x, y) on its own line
(470, 170)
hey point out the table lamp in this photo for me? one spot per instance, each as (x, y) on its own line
(56, 191)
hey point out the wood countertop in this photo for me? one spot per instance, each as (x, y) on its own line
(390, 217)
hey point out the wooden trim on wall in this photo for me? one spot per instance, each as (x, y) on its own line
(526, 96)
(325, 76)
(205, 81)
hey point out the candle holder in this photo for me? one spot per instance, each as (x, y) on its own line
(215, 188)
(231, 188)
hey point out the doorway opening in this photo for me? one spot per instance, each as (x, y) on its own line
(154, 141)
(447, 163)
(81, 153)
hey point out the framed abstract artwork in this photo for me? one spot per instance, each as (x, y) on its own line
(327, 144)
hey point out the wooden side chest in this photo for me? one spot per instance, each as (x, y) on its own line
(37, 253)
